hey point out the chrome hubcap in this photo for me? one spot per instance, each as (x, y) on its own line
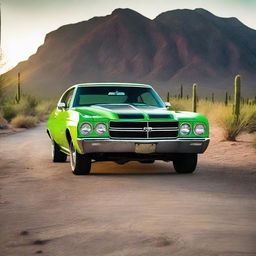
(52, 149)
(72, 156)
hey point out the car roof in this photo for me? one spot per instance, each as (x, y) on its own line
(113, 84)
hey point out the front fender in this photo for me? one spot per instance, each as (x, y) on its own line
(72, 131)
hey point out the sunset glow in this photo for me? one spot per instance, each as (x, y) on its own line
(25, 23)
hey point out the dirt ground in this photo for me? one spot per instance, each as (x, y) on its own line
(133, 209)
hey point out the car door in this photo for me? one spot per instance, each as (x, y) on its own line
(61, 116)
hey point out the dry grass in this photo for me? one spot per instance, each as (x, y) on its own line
(22, 121)
(233, 127)
(218, 113)
(28, 106)
(44, 108)
(3, 122)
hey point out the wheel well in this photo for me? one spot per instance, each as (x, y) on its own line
(68, 136)
(48, 133)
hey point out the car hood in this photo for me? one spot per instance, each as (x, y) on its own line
(131, 109)
(128, 111)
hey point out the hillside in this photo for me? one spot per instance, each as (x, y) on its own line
(180, 46)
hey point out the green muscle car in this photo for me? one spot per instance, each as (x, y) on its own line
(123, 122)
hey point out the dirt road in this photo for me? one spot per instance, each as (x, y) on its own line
(133, 209)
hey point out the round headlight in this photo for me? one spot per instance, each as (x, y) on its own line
(85, 128)
(185, 129)
(199, 129)
(100, 128)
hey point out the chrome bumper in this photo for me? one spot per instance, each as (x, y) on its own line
(179, 145)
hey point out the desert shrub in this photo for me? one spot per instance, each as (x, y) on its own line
(21, 121)
(251, 113)
(44, 108)
(218, 113)
(27, 105)
(233, 126)
(3, 122)
(9, 111)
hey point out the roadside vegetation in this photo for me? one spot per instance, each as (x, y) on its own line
(218, 112)
(26, 114)
(22, 121)
(235, 116)
(31, 110)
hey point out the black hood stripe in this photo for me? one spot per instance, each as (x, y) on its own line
(127, 111)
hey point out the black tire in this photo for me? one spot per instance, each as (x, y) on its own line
(80, 164)
(57, 155)
(185, 163)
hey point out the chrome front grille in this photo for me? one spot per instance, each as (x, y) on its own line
(143, 130)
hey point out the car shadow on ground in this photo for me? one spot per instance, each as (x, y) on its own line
(162, 168)
(133, 168)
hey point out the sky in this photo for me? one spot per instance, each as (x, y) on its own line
(26, 22)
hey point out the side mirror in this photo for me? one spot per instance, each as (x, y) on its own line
(167, 104)
(61, 105)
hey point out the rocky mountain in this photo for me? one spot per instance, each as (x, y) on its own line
(177, 47)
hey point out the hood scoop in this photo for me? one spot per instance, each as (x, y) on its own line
(159, 115)
(130, 116)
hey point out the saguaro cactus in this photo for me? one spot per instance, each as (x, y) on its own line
(181, 91)
(194, 98)
(18, 93)
(237, 96)
(168, 97)
(226, 99)
(213, 97)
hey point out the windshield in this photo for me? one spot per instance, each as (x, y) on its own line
(87, 96)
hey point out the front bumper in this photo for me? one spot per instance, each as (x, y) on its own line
(178, 145)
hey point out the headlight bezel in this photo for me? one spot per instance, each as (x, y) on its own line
(100, 123)
(89, 132)
(190, 129)
(195, 126)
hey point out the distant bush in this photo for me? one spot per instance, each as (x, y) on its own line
(27, 105)
(22, 121)
(9, 111)
(251, 111)
(217, 112)
(44, 108)
(3, 122)
(233, 127)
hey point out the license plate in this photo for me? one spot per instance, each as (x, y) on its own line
(145, 148)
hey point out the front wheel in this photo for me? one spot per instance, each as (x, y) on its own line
(80, 164)
(185, 163)
(57, 155)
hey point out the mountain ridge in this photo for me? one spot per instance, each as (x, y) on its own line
(178, 46)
